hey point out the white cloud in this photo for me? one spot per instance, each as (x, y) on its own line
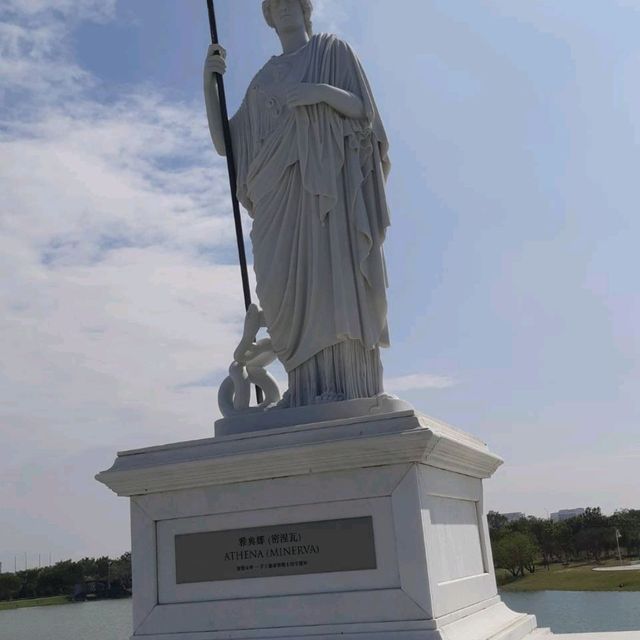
(115, 231)
(78, 183)
(113, 296)
(417, 381)
(35, 56)
(30, 66)
(67, 9)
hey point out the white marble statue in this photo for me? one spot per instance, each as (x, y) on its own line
(311, 158)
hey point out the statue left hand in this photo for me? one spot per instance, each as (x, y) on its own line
(304, 95)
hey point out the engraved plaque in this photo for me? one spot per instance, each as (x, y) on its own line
(281, 550)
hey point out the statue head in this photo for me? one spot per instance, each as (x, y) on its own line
(288, 14)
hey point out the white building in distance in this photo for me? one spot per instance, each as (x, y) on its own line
(515, 516)
(566, 514)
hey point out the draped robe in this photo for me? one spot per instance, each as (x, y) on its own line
(313, 182)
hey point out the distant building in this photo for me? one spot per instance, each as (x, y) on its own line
(513, 517)
(566, 514)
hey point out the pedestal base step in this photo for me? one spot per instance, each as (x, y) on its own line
(603, 635)
(495, 622)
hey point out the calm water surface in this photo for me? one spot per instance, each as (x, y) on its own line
(563, 611)
(105, 620)
(579, 611)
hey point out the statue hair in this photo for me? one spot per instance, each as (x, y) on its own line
(307, 9)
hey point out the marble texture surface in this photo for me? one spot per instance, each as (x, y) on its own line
(420, 480)
(417, 478)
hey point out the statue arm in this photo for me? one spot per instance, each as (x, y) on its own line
(214, 63)
(214, 116)
(344, 102)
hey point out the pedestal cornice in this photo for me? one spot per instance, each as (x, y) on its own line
(403, 437)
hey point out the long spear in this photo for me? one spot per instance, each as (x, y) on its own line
(231, 167)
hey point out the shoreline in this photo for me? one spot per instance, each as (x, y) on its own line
(10, 605)
(574, 577)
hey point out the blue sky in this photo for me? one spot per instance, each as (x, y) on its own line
(514, 299)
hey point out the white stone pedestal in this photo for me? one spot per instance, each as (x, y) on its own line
(422, 572)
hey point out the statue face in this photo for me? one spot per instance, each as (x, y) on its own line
(287, 15)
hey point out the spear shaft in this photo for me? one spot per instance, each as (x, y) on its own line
(231, 167)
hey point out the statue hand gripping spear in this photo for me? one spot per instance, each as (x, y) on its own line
(216, 67)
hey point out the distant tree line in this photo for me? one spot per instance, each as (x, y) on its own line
(519, 546)
(65, 578)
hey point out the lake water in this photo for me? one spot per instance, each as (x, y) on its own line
(104, 620)
(563, 611)
(579, 611)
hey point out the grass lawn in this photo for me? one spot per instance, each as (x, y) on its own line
(575, 577)
(35, 602)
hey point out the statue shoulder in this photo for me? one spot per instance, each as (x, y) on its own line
(330, 40)
(334, 45)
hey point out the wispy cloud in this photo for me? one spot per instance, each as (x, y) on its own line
(35, 51)
(67, 9)
(115, 236)
(112, 228)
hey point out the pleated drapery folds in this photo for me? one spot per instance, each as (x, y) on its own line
(344, 371)
(313, 182)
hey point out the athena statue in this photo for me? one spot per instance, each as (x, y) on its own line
(311, 158)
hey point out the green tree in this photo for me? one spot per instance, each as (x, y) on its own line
(9, 586)
(59, 579)
(563, 542)
(28, 583)
(496, 520)
(627, 521)
(516, 552)
(544, 533)
(592, 518)
(594, 542)
(121, 570)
